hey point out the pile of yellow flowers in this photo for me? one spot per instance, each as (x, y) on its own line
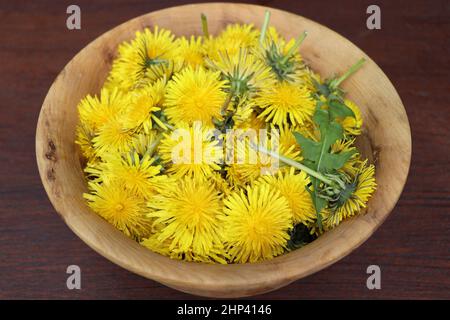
(166, 93)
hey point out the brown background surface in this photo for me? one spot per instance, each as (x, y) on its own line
(412, 247)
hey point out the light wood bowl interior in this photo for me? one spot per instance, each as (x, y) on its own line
(386, 141)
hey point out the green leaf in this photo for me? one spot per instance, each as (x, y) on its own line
(334, 161)
(310, 164)
(311, 151)
(317, 154)
(310, 148)
(334, 96)
(339, 110)
(329, 133)
(321, 117)
(321, 88)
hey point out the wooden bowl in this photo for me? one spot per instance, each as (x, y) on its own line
(386, 140)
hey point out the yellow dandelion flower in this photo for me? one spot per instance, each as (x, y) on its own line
(245, 34)
(292, 186)
(356, 196)
(191, 151)
(191, 51)
(243, 73)
(120, 207)
(145, 143)
(352, 125)
(84, 136)
(234, 38)
(188, 212)
(141, 112)
(95, 112)
(145, 106)
(282, 56)
(256, 224)
(155, 91)
(113, 137)
(139, 174)
(150, 51)
(195, 95)
(286, 103)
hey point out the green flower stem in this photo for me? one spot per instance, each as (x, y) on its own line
(349, 72)
(294, 164)
(264, 27)
(295, 47)
(205, 25)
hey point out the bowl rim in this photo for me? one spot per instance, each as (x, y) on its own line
(267, 279)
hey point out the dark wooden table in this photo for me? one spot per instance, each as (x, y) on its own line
(412, 246)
